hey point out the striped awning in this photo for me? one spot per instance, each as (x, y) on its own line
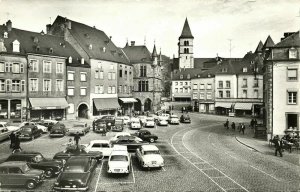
(48, 103)
(222, 104)
(243, 106)
(106, 103)
(128, 100)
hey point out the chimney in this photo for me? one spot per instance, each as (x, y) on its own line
(48, 27)
(110, 38)
(9, 25)
(69, 25)
(132, 43)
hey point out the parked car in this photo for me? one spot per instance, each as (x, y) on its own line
(174, 119)
(29, 132)
(185, 118)
(79, 150)
(37, 161)
(109, 121)
(100, 126)
(126, 119)
(162, 122)
(150, 122)
(76, 175)
(102, 146)
(119, 160)
(145, 135)
(149, 156)
(9, 127)
(19, 173)
(117, 135)
(4, 132)
(80, 127)
(130, 141)
(164, 116)
(119, 125)
(48, 123)
(135, 123)
(58, 130)
(41, 127)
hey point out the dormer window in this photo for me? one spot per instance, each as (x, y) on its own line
(82, 61)
(35, 40)
(103, 49)
(90, 46)
(16, 46)
(87, 35)
(51, 50)
(245, 70)
(70, 59)
(181, 76)
(5, 35)
(224, 70)
(293, 53)
(252, 62)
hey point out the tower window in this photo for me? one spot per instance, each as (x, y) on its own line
(186, 50)
(186, 43)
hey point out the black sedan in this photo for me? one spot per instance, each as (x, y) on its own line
(29, 132)
(145, 135)
(58, 130)
(76, 175)
(79, 150)
(130, 141)
(185, 118)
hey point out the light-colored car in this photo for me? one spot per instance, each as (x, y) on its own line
(149, 156)
(119, 160)
(117, 135)
(81, 127)
(135, 123)
(41, 127)
(164, 116)
(142, 119)
(9, 127)
(174, 119)
(126, 119)
(150, 122)
(162, 122)
(103, 146)
(4, 132)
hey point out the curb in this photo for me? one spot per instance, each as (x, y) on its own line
(246, 145)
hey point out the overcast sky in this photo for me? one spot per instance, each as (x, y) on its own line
(213, 22)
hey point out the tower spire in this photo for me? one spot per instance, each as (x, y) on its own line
(186, 31)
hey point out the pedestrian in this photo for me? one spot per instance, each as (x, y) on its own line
(233, 126)
(255, 122)
(243, 128)
(226, 124)
(240, 127)
(252, 123)
(12, 137)
(278, 145)
(77, 138)
(16, 147)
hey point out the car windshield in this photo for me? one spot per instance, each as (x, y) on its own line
(151, 152)
(26, 129)
(119, 158)
(25, 168)
(78, 125)
(38, 158)
(174, 116)
(150, 119)
(119, 121)
(135, 121)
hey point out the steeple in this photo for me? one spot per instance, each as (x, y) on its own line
(269, 43)
(259, 47)
(154, 53)
(160, 57)
(186, 31)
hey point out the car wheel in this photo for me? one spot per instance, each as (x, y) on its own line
(151, 140)
(31, 184)
(48, 173)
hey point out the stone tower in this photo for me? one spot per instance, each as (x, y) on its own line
(185, 47)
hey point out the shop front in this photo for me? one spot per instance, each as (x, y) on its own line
(105, 106)
(127, 105)
(223, 108)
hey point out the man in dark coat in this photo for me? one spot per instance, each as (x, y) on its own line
(252, 123)
(278, 145)
(226, 124)
(12, 137)
(243, 128)
(233, 126)
(77, 138)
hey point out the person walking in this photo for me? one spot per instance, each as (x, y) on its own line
(243, 128)
(226, 124)
(233, 126)
(12, 137)
(17, 147)
(252, 123)
(278, 145)
(77, 138)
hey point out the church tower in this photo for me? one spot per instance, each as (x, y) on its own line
(185, 47)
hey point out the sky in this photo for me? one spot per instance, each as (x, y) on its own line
(214, 23)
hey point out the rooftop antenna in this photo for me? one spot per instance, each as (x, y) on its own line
(230, 47)
(145, 40)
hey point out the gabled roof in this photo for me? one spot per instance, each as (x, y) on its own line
(138, 54)
(186, 31)
(93, 41)
(250, 61)
(184, 73)
(268, 43)
(259, 47)
(291, 41)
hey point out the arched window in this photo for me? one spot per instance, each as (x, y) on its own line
(187, 50)
(186, 43)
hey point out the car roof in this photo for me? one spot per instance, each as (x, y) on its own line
(119, 148)
(2, 122)
(149, 147)
(174, 116)
(122, 133)
(13, 164)
(26, 153)
(143, 130)
(126, 137)
(125, 153)
(99, 141)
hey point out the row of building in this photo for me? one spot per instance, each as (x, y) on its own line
(74, 70)
(262, 84)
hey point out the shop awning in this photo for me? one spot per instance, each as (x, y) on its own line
(128, 100)
(224, 105)
(48, 103)
(243, 106)
(106, 103)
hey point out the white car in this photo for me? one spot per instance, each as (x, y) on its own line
(41, 127)
(9, 127)
(150, 122)
(164, 116)
(119, 160)
(149, 156)
(126, 119)
(135, 123)
(117, 135)
(103, 146)
(174, 119)
(163, 122)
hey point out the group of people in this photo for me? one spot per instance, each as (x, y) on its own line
(14, 141)
(241, 127)
(286, 142)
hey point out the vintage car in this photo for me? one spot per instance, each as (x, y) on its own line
(126, 119)
(4, 132)
(102, 146)
(41, 127)
(9, 127)
(117, 135)
(48, 123)
(145, 135)
(185, 118)
(135, 123)
(19, 173)
(119, 125)
(79, 127)
(130, 141)
(99, 126)
(58, 130)
(29, 132)
(150, 122)
(79, 150)
(164, 116)
(149, 156)
(77, 174)
(174, 119)
(162, 122)
(119, 160)
(37, 161)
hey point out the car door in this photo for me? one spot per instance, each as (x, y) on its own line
(4, 177)
(16, 176)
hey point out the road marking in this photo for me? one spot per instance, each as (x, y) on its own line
(265, 173)
(98, 177)
(132, 171)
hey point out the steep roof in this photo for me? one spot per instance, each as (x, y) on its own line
(94, 41)
(184, 73)
(40, 43)
(250, 61)
(186, 31)
(268, 43)
(259, 47)
(154, 53)
(291, 41)
(138, 54)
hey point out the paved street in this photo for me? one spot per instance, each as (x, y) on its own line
(202, 156)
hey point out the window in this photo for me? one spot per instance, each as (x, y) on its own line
(113, 76)
(185, 83)
(23, 85)
(244, 83)
(2, 67)
(292, 53)
(21, 68)
(47, 66)
(71, 91)
(208, 95)
(176, 90)
(125, 88)
(201, 86)
(227, 84)
(101, 89)
(125, 75)
(101, 75)
(228, 94)
(16, 68)
(34, 65)
(244, 93)
(82, 76)
(2, 85)
(208, 86)
(46, 85)
(224, 70)
(120, 73)
(195, 96)
(71, 75)
(15, 86)
(181, 90)
(186, 50)
(181, 83)
(8, 67)
(176, 83)
(59, 85)
(33, 85)
(113, 89)
(255, 93)
(82, 91)
(97, 75)
(245, 70)
(201, 95)
(181, 76)
(8, 85)
(195, 86)
(292, 97)
(111, 66)
(143, 86)
(186, 90)
(109, 90)
(220, 84)
(97, 89)
(186, 43)
(71, 108)
(59, 67)
(188, 76)
(109, 75)
(255, 83)
(120, 89)
(292, 74)
(143, 71)
(221, 94)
